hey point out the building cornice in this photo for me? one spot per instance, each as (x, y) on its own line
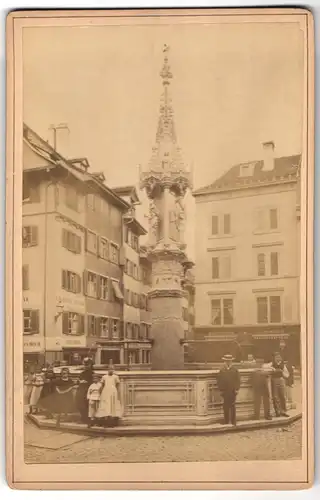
(253, 186)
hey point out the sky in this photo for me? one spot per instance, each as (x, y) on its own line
(234, 86)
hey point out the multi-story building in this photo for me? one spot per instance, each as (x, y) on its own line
(74, 262)
(102, 274)
(53, 240)
(248, 260)
(136, 314)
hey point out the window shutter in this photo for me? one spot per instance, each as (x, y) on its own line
(273, 218)
(64, 238)
(35, 321)
(215, 225)
(64, 279)
(98, 246)
(227, 311)
(215, 267)
(98, 278)
(78, 244)
(85, 282)
(97, 327)
(78, 281)
(261, 264)
(262, 309)
(274, 263)
(227, 223)
(80, 323)
(25, 277)
(65, 323)
(34, 235)
(226, 266)
(89, 325)
(275, 309)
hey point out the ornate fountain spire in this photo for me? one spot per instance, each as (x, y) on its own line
(166, 128)
(166, 180)
(166, 163)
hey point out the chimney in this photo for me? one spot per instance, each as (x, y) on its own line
(268, 156)
(60, 139)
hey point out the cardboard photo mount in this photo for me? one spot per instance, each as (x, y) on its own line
(259, 475)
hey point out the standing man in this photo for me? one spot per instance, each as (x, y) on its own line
(229, 385)
(278, 385)
(260, 383)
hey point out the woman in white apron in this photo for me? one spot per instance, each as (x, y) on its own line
(110, 410)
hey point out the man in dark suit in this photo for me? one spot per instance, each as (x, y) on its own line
(260, 384)
(229, 385)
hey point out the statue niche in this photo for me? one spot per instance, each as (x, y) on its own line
(154, 221)
(177, 220)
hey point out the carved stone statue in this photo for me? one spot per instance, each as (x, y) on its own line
(180, 216)
(154, 218)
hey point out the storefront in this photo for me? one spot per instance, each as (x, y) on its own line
(33, 353)
(210, 344)
(75, 356)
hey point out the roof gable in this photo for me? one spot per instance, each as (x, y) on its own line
(127, 192)
(285, 168)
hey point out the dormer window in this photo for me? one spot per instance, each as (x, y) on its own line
(246, 170)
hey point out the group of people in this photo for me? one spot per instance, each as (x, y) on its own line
(278, 372)
(96, 399)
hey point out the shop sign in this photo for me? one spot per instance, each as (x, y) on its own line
(33, 345)
(57, 343)
(70, 301)
(134, 346)
(75, 342)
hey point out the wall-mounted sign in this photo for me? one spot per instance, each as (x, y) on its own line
(134, 346)
(57, 343)
(74, 342)
(70, 301)
(33, 345)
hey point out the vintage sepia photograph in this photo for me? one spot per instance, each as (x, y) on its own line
(164, 208)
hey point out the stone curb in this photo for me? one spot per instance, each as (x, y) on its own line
(165, 430)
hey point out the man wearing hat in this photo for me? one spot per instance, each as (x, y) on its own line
(229, 385)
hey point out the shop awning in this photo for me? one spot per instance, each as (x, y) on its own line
(117, 291)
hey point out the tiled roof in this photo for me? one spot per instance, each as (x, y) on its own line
(285, 168)
(127, 191)
(44, 149)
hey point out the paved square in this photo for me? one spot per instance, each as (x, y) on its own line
(269, 444)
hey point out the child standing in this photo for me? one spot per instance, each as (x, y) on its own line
(93, 397)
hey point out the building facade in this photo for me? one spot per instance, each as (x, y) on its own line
(73, 261)
(248, 260)
(136, 313)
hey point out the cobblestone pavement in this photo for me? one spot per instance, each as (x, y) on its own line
(268, 444)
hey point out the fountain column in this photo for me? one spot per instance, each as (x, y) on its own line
(166, 181)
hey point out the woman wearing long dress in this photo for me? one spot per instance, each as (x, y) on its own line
(62, 400)
(49, 388)
(110, 410)
(37, 386)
